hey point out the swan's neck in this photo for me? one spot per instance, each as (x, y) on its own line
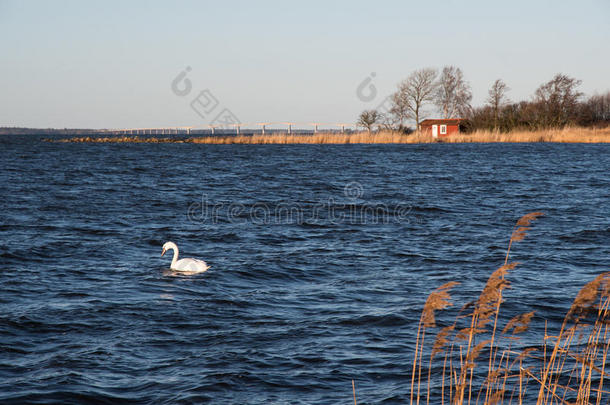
(175, 259)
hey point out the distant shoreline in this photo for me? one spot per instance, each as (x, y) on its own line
(565, 135)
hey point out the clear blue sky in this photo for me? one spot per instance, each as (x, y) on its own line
(110, 64)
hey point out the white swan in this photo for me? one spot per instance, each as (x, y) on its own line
(187, 265)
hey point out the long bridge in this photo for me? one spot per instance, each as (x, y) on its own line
(237, 129)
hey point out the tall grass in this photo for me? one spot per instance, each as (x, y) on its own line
(317, 138)
(565, 135)
(475, 359)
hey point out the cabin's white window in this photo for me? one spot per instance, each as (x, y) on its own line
(443, 129)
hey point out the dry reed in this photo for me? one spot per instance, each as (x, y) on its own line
(571, 370)
(438, 300)
(564, 135)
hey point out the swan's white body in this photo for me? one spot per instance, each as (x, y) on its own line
(187, 265)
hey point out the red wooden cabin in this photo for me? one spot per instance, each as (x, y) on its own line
(440, 128)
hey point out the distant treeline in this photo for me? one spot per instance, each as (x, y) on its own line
(555, 111)
(47, 131)
(555, 104)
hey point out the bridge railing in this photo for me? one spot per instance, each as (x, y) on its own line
(237, 129)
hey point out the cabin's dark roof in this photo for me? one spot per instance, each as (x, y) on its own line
(449, 121)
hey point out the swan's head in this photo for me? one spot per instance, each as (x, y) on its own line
(168, 246)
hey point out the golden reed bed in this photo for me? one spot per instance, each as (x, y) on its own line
(566, 135)
(572, 135)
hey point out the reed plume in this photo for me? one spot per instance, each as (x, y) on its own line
(519, 323)
(585, 300)
(438, 299)
(520, 229)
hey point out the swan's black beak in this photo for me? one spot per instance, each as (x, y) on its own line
(163, 252)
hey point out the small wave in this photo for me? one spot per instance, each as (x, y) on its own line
(392, 320)
(588, 235)
(224, 237)
(62, 396)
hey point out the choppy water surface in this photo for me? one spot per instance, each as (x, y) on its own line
(322, 257)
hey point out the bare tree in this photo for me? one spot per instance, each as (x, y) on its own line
(368, 118)
(412, 94)
(497, 98)
(453, 93)
(595, 110)
(557, 101)
(387, 122)
(600, 107)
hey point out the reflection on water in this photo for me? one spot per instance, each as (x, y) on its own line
(182, 273)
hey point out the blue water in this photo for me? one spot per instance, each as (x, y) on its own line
(322, 257)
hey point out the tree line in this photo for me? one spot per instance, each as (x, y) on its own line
(555, 104)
